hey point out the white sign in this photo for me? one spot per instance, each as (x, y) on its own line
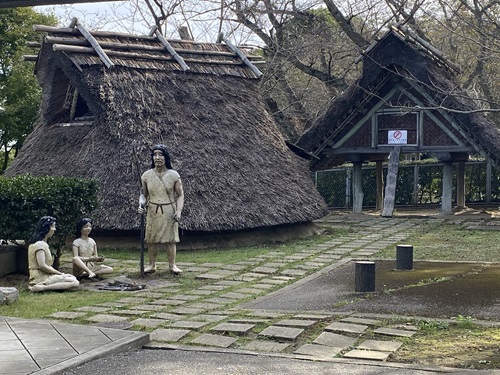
(397, 137)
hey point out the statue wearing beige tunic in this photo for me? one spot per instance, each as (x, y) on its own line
(160, 224)
(163, 195)
(43, 276)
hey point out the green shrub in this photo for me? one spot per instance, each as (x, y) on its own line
(25, 199)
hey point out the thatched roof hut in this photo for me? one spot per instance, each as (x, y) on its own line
(405, 84)
(200, 99)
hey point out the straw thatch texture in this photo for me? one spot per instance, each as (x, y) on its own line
(236, 170)
(395, 61)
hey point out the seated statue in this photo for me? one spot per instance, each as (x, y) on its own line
(42, 275)
(85, 254)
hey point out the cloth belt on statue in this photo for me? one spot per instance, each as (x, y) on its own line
(160, 206)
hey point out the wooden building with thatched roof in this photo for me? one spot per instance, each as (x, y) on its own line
(105, 91)
(406, 101)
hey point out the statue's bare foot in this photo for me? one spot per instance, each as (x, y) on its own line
(175, 270)
(150, 269)
(37, 288)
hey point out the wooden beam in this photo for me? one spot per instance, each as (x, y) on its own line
(242, 56)
(170, 49)
(132, 55)
(95, 44)
(34, 3)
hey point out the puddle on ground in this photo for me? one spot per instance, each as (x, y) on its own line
(431, 289)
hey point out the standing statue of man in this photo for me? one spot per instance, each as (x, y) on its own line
(164, 198)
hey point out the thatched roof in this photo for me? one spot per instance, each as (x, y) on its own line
(400, 70)
(236, 170)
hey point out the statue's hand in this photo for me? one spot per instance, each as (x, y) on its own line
(141, 209)
(177, 216)
(142, 204)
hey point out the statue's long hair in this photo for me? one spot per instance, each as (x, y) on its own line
(80, 225)
(165, 153)
(42, 228)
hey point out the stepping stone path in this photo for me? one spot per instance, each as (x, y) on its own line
(211, 315)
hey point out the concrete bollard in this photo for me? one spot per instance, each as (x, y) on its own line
(365, 277)
(404, 257)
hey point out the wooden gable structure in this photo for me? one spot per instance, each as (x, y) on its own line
(407, 100)
(103, 92)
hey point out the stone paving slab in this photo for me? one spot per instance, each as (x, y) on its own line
(214, 340)
(96, 309)
(265, 270)
(200, 292)
(187, 310)
(148, 307)
(185, 297)
(278, 332)
(334, 340)
(262, 286)
(293, 272)
(249, 290)
(266, 346)
(147, 322)
(168, 316)
(132, 312)
(168, 334)
(237, 328)
(229, 282)
(346, 327)
(131, 300)
(313, 316)
(167, 302)
(366, 321)
(67, 315)
(276, 280)
(393, 332)
(234, 295)
(188, 324)
(381, 346)
(209, 317)
(206, 306)
(116, 305)
(220, 300)
(216, 274)
(367, 354)
(104, 318)
(296, 323)
(265, 314)
(318, 351)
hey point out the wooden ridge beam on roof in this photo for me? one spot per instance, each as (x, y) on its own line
(34, 3)
(133, 46)
(132, 55)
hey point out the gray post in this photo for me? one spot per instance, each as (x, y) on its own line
(404, 257)
(364, 277)
(446, 197)
(357, 188)
(461, 185)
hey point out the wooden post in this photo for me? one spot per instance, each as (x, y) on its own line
(404, 257)
(461, 185)
(446, 197)
(379, 172)
(357, 188)
(392, 177)
(364, 280)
